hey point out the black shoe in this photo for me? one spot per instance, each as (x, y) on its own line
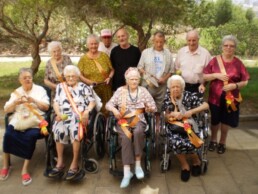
(185, 175)
(57, 171)
(196, 170)
(221, 148)
(212, 146)
(72, 173)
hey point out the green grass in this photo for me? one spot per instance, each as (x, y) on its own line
(9, 81)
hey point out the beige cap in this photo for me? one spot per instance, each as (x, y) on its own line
(106, 32)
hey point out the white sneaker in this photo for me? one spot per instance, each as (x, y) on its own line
(139, 172)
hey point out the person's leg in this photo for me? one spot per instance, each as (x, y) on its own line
(25, 166)
(214, 132)
(4, 174)
(26, 179)
(196, 165)
(185, 168)
(60, 159)
(138, 148)
(76, 151)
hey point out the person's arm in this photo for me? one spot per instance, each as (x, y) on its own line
(202, 107)
(233, 86)
(86, 81)
(213, 76)
(49, 84)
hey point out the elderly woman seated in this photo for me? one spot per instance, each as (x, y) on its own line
(128, 104)
(72, 104)
(180, 108)
(23, 130)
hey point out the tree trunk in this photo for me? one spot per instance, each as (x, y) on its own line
(142, 38)
(36, 60)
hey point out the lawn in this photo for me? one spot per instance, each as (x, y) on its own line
(8, 80)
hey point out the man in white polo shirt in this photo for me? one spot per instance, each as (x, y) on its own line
(106, 44)
(190, 62)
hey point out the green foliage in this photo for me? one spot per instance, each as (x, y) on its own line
(223, 12)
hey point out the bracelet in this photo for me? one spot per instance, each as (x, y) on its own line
(236, 86)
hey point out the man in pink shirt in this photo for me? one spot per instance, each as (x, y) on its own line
(190, 62)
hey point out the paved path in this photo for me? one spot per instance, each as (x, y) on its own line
(234, 172)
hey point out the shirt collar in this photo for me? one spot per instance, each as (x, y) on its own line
(196, 52)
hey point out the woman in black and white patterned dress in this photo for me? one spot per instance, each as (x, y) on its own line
(179, 104)
(67, 122)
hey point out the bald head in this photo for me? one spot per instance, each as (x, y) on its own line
(192, 38)
(122, 37)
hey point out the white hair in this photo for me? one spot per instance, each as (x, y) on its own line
(229, 38)
(53, 44)
(132, 72)
(176, 78)
(72, 68)
(92, 36)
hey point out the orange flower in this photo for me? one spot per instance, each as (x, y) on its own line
(43, 127)
(229, 98)
(187, 127)
(123, 122)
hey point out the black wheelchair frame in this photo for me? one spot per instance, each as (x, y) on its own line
(114, 147)
(164, 150)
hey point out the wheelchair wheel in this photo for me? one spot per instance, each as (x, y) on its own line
(165, 166)
(91, 165)
(99, 135)
(204, 167)
(107, 136)
(153, 137)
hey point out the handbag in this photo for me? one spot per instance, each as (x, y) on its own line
(24, 119)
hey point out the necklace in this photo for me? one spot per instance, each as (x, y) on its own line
(131, 98)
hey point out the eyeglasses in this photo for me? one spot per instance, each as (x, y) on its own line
(229, 45)
(70, 77)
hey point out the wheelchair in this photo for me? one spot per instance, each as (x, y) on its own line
(163, 142)
(113, 146)
(94, 137)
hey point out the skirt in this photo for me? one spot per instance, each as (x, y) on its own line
(21, 144)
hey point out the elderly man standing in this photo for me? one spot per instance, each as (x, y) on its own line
(122, 57)
(156, 65)
(190, 62)
(106, 44)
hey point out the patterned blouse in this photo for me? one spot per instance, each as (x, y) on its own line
(50, 73)
(143, 98)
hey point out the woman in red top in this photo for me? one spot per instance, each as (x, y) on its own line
(226, 78)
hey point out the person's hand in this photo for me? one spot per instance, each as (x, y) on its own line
(58, 117)
(21, 100)
(161, 80)
(188, 114)
(117, 114)
(107, 81)
(148, 108)
(201, 88)
(222, 77)
(229, 87)
(30, 99)
(85, 116)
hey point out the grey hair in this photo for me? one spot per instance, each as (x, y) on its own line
(92, 36)
(229, 38)
(178, 78)
(53, 44)
(24, 69)
(129, 72)
(72, 68)
(194, 32)
(159, 33)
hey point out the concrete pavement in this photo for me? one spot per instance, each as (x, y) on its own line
(233, 172)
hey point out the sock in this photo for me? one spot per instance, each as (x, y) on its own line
(137, 163)
(126, 170)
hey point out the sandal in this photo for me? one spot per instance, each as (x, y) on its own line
(26, 179)
(71, 173)
(56, 171)
(221, 148)
(212, 146)
(4, 173)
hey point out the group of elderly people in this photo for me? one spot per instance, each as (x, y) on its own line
(72, 101)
